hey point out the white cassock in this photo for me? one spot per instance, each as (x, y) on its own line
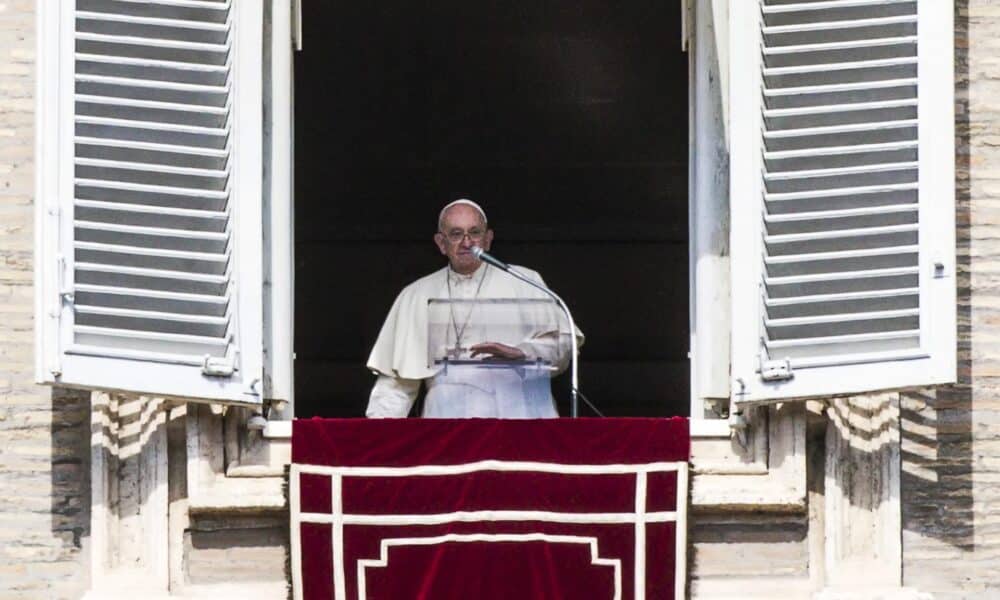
(400, 356)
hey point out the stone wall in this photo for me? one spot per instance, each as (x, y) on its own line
(756, 555)
(44, 514)
(236, 548)
(951, 438)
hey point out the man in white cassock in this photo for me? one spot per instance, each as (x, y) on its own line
(401, 356)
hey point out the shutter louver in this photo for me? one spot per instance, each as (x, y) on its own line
(844, 201)
(159, 201)
(839, 84)
(152, 227)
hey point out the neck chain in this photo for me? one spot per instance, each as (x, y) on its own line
(455, 352)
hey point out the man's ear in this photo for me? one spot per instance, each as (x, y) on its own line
(440, 241)
(488, 240)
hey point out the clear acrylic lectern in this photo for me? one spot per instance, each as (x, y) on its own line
(477, 384)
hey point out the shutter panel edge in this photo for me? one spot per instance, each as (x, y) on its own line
(49, 18)
(248, 147)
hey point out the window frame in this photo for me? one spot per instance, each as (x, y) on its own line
(282, 20)
(708, 208)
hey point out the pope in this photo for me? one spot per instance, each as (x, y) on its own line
(401, 358)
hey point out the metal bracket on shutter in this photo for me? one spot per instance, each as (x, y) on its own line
(65, 292)
(64, 295)
(775, 370)
(218, 367)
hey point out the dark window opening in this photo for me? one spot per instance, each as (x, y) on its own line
(566, 119)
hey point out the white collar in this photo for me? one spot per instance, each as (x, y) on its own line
(459, 277)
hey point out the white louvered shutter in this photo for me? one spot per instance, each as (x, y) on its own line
(842, 196)
(150, 196)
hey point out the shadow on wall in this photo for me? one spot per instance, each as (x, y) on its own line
(70, 475)
(936, 426)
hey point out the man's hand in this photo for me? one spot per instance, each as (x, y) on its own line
(496, 350)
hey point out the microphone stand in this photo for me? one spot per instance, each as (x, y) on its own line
(574, 366)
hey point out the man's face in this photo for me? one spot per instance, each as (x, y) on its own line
(462, 228)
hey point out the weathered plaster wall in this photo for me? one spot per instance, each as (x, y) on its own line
(234, 547)
(44, 513)
(750, 555)
(951, 439)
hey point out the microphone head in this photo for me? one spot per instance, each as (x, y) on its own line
(482, 255)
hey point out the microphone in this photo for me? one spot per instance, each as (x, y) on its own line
(486, 257)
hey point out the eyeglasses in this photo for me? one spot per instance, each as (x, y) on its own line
(455, 236)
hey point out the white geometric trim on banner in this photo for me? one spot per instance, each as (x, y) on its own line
(383, 560)
(639, 518)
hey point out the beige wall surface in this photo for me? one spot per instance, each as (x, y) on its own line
(951, 439)
(44, 512)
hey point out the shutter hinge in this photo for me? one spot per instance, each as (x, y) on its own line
(775, 370)
(218, 367)
(65, 292)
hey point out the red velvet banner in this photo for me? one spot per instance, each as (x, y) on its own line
(489, 509)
